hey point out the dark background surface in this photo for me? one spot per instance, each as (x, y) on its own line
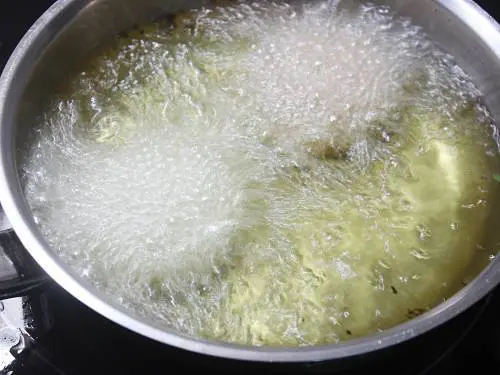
(78, 341)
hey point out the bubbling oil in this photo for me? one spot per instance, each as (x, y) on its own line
(272, 174)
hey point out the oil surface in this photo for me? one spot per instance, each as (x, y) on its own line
(280, 174)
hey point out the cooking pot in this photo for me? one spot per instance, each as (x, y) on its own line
(70, 29)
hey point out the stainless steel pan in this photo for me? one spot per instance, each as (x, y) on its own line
(71, 28)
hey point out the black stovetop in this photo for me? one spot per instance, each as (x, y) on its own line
(62, 336)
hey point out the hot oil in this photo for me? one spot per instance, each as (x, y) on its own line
(270, 173)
